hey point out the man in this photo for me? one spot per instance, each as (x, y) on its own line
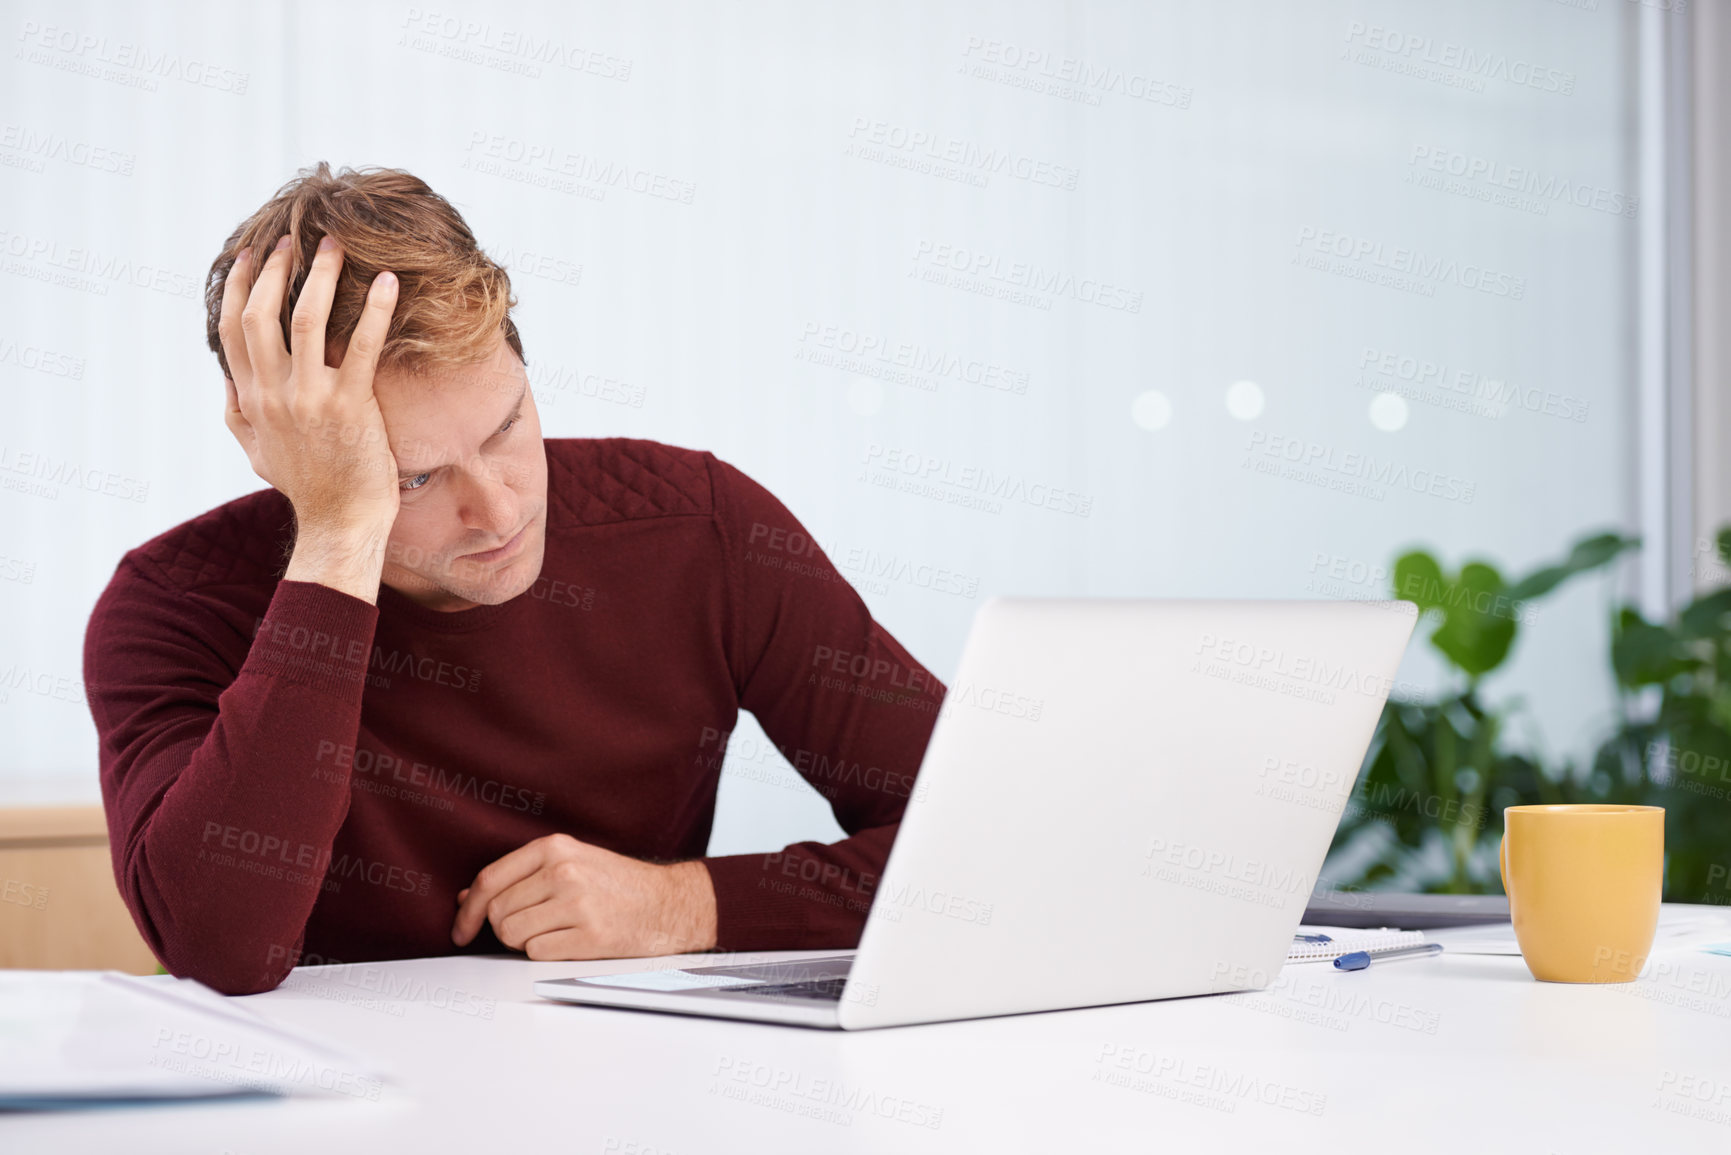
(448, 686)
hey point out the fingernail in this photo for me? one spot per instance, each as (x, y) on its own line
(327, 243)
(243, 254)
(282, 242)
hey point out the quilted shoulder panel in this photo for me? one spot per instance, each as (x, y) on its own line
(243, 540)
(596, 480)
(593, 481)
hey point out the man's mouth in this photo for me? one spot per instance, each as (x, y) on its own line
(502, 552)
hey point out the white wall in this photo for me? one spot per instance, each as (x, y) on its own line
(1711, 169)
(1264, 132)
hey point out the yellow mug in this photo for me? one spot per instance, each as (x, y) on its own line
(1583, 883)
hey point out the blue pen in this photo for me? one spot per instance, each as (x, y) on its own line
(1359, 959)
(1311, 938)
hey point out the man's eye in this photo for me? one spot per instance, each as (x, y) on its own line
(415, 482)
(509, 423)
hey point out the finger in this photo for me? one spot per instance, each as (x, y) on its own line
(234, 409)
(236, 421)
(313, 306)
(494, 878)
(531, 907)
(234, 293)
(361, 360)
(261, 322)
(565, 943)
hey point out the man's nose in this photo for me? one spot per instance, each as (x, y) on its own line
(492, 504)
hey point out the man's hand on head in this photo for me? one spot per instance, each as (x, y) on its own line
(560, 898)
(312, 431)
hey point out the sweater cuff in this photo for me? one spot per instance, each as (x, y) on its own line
(314, 635)
(760, 906)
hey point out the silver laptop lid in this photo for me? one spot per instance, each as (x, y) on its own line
(1123, 800)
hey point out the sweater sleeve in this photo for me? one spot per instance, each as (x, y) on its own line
(216, 739)
(841, 699)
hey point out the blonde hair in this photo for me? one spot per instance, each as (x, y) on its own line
(452, 300)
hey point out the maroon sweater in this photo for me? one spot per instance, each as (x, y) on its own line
(289, 771)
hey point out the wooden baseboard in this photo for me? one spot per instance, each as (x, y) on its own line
(59, 907)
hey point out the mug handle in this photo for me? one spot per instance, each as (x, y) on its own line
(1503, 867)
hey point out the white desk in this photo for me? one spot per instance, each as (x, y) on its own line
(1454, 1053)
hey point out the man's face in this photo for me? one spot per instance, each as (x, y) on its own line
(472, 529)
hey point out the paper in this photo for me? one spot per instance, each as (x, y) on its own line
(1345, 940)
(669, 981)
(87, 1036)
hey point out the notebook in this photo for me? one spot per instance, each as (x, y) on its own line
(98, 1037)
(1345, 940)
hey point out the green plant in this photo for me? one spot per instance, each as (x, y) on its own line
(1426, 812)
(1677, 753)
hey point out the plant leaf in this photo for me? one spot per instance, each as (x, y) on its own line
(1478, 626)
(1644, 654)
(1587, 554)
(1418, 578)
(1705, 616)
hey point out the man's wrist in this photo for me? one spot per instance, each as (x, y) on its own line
(692, 919)
(350, 558)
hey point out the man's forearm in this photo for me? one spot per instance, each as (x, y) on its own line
(218, 800)
(801, 897)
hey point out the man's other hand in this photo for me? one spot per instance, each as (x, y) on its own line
(559, 898)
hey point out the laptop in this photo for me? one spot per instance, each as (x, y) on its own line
(1122, 800)
(1374, 908)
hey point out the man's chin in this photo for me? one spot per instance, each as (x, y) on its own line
(508, 580)
(513, 579)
